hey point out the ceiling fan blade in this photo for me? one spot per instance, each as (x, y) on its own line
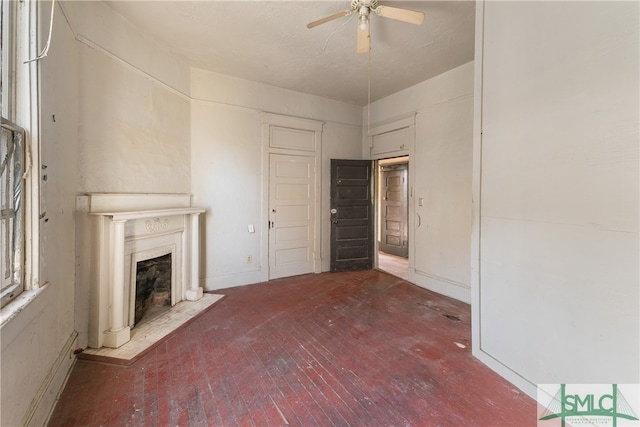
(404, 15)
(329, 18)
(364, 41)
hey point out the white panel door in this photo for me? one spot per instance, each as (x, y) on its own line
(291, 215)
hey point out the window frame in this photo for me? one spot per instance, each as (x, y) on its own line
(8, 11)
(20, 107)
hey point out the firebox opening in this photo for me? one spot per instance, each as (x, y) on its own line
(153, 287)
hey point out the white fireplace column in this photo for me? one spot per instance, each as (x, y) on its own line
(118, 333)
(195, 292)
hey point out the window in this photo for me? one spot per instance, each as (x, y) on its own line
(12, 211)
(11, 168)
(11, 165)
(19, 186)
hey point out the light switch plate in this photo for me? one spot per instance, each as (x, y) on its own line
(251, 228)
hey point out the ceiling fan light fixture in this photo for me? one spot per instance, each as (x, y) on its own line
(363, 8)
(363, 22)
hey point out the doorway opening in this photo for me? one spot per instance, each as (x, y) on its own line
(392, 208)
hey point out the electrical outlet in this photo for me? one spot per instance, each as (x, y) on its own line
(249, 259)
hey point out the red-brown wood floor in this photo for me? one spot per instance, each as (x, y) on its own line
(333, 349)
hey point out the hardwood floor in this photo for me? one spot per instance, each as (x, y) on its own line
(333, 349)
(395, 265)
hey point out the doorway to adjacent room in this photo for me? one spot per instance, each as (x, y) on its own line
(392, 208)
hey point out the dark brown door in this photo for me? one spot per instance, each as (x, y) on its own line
(352, 240)
(393, 207)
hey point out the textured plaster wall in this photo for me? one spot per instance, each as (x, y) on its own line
(134, 133)
(134, 128)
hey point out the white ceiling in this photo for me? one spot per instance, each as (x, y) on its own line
(268, 42)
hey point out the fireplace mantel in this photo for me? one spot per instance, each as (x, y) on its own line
(153, 213)
(126, 226)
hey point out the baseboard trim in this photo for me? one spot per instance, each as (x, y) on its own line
(505, 372)
(442, 286)
(213, 283)
(44, 401)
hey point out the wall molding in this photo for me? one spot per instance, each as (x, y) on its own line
(443, 286)
(231, 280)
(94, 46)
(83, 40)
(182, 94)
(508, 374)
(44, 401)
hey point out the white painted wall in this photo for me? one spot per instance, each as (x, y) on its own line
(134, 134)
(37, 342)
(226, 167)
(556, 299)
(441, 172)
(134, 122)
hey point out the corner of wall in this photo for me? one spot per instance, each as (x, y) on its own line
(476, 178)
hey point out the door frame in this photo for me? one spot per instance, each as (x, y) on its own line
(378, 204)
(406, 149)
(271, 121)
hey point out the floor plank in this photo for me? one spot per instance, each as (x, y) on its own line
(392, 264)
(332, 349)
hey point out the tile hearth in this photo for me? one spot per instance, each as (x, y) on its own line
(148, 334)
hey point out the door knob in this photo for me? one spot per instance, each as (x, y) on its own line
(333, 211)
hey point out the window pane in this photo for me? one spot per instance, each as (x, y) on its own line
(11, 211)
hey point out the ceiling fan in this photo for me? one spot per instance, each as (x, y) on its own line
(363, 8)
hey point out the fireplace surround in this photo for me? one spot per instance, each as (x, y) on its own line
(126, 229)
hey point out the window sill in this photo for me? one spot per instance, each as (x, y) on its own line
(22, 308)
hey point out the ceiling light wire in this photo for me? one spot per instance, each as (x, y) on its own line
(324, 48)
(45, 51)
